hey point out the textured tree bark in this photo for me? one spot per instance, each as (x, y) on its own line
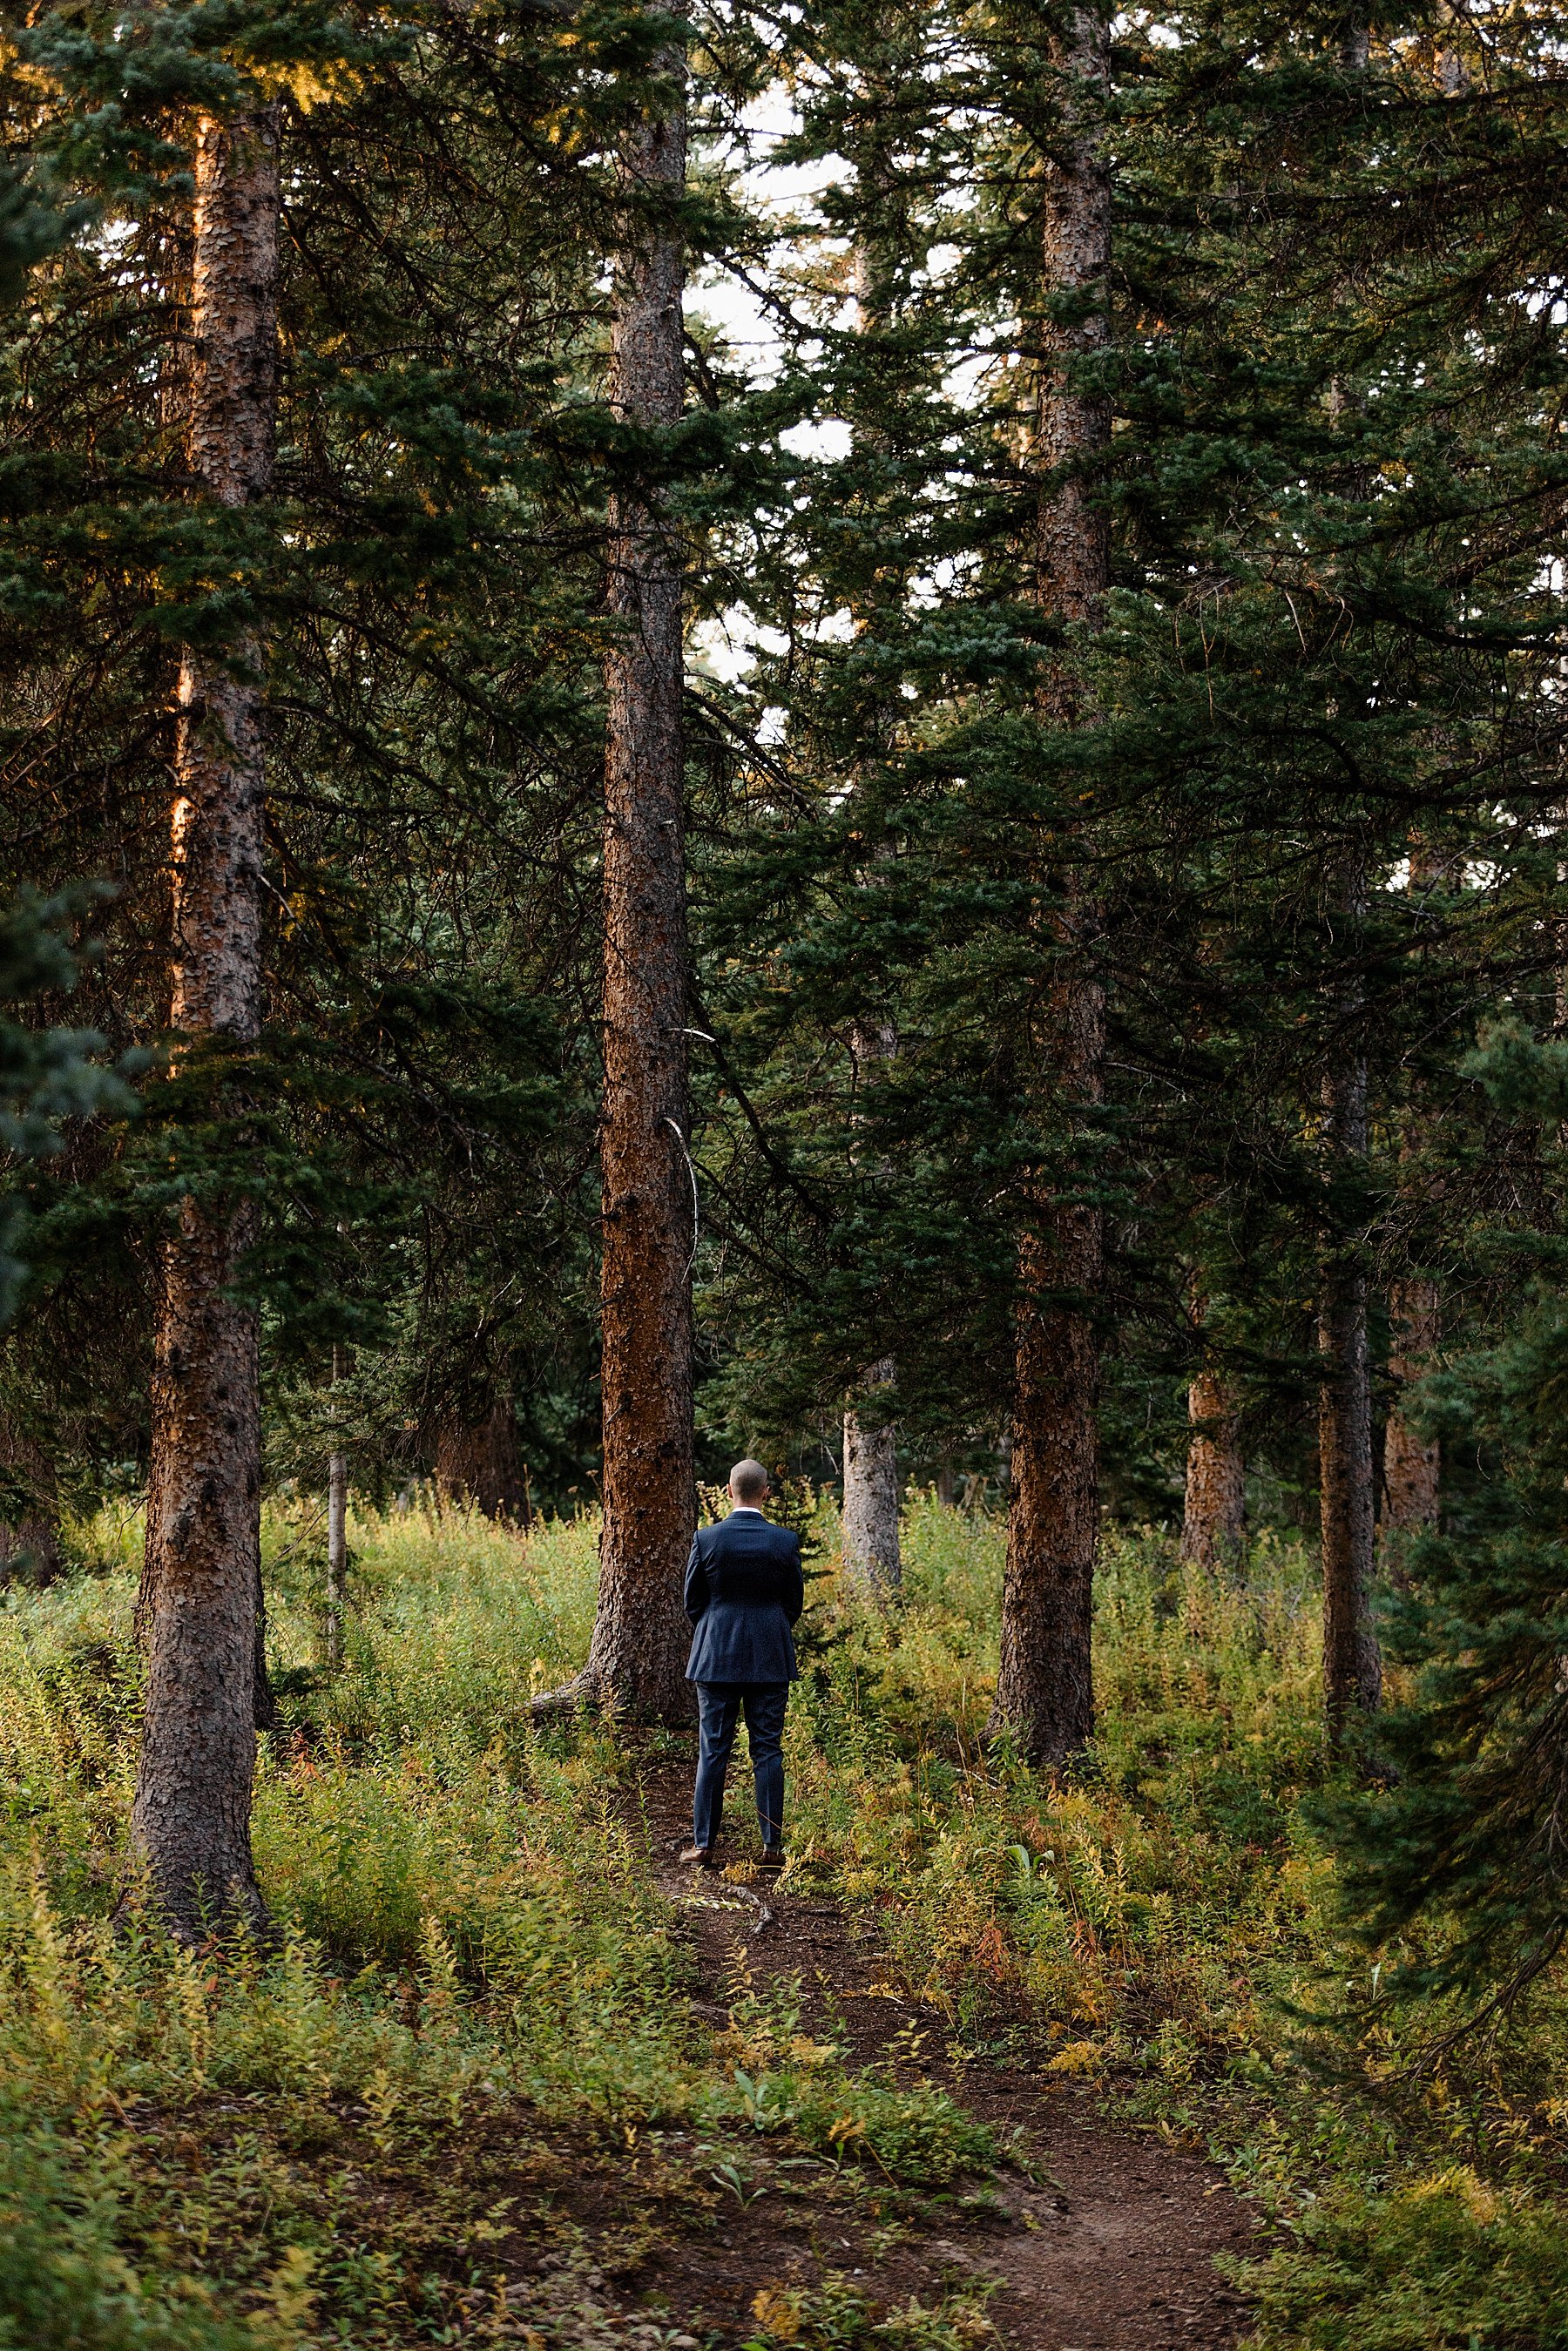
(1213, 1522)
(29, 1548)
(479, 1463)
(1412, 1464)
(1045, 1685)
(1045, 1692)
(1353, 1674)
(639, 1633)
(30, 1535)
(337, 1555)
(871, 1545)
(871, 1558)
(191, 1819)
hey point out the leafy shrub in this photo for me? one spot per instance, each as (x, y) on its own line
(66, 2281)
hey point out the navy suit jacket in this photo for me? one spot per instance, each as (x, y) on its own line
(744, 1590)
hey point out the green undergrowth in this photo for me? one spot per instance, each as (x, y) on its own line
(475, 2039)
(472, 2037)
(1162, 1925)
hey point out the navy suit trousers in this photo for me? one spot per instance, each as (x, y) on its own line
(719, 1706)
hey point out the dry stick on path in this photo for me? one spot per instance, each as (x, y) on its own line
(190, 1824)
(1045, 1692)
(637, 1656)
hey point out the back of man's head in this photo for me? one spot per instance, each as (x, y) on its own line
(748, 1483)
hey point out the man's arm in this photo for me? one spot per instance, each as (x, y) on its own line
(697, 1594)
(792, 1582)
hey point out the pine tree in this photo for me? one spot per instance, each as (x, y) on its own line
(869, 1459)
(1411, 1461)
(1045, 1685)
(201, 1593)
(1456, 1860)
(1214, 1514)
(639, 1633)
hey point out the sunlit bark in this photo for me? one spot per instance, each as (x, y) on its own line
(200, 1595)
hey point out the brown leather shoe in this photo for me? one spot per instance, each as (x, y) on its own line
(773, 1857)
(698, 1856)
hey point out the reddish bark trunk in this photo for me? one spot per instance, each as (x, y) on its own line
(29, 1533)
(1353, 1674)
(1214, 1523)
(1045, 1684)
(29, 1548)
(191, 1818)
(1411, 1464)
(639, 1633)
(479, 1463)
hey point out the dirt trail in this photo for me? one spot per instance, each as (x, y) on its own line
(1111, 2248)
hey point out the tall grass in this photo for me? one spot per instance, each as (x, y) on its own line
(469, 1927)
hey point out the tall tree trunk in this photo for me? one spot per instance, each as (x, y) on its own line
(337, 1555)
(202, 1581)
(1412, 1464)
(29, 1548)
(1352, 1679)
(872, 1555)
(1213, 1520)
(1045, 1692)
(1353, 1671)
(1214, 1517)
(478, 1462)
(871, 1546)
(30, 1529)
(871, 1496)
(640, 1633)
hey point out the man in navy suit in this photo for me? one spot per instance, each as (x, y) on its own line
(744, 1592)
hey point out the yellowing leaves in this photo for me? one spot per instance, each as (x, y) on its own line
(310, 84)
(1078, 2057)
(778, 2312)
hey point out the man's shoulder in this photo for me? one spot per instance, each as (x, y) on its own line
(745, 1526)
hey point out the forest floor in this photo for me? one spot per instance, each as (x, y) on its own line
(959, 2080)
(1094, 2236)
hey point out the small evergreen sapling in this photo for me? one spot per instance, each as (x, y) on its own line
(1469, 1841)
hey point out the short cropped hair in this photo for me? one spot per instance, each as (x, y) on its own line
(748, 1481)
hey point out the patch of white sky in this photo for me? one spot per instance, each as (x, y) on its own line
(784, 193)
